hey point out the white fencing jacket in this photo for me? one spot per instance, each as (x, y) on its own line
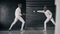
(18, 12)
(47, 13)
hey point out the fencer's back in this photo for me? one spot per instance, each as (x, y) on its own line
(18, 12)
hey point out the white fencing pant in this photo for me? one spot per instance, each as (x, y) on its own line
(51, 19)
(15, 20)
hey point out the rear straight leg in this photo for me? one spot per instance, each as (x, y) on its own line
(53, 21)
(15, 20)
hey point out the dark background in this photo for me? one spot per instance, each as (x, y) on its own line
(7, 10)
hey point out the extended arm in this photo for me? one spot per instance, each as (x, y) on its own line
(40, 11)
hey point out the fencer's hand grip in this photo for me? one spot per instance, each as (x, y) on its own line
(20, 14)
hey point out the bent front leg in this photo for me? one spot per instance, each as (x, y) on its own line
(45, 23)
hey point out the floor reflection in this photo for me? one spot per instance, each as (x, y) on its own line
(28, 32)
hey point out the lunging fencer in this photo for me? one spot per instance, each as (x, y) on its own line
(18, 17)
(48, 14)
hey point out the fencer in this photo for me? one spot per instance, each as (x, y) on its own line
(48, 14)
(18, 17)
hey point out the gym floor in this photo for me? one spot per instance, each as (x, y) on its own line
(29, 31)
